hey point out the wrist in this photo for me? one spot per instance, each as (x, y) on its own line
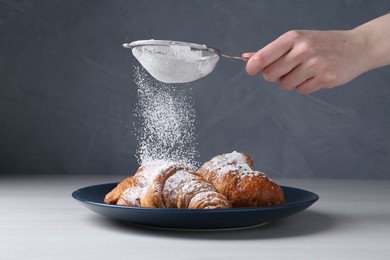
(364, 55)
(375, 38)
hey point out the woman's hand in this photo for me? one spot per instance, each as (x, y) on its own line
(310, 60)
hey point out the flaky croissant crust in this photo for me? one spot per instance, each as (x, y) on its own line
(232, 175)
(226, 180)
(166, 185)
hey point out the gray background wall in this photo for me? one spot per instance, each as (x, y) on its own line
(67, 92)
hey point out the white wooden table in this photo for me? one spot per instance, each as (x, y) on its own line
(40, 220)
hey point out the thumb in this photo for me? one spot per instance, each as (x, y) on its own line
(248, 54)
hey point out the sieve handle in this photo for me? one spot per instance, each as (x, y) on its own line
(235, 57)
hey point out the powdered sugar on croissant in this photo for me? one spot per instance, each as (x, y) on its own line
(167, 185)
(231, 174)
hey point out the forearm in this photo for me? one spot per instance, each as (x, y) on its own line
(376, 37)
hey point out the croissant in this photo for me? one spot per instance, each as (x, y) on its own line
(166, 185)
(232, 175)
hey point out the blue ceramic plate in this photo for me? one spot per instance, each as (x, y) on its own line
(296, 201)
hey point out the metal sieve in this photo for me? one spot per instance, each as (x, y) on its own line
(177, 62)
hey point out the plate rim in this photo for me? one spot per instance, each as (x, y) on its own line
(75, 195)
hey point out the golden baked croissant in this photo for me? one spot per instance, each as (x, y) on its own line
(166, 185)
(232, 175)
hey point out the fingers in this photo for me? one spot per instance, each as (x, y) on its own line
(268, 55)
(303, 80)
(308, 77)
(309, 86)
(295, 77)
(281, 67)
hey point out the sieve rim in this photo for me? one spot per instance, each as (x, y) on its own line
(169, 43)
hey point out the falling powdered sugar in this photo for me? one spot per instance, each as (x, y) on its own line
(165, 128)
